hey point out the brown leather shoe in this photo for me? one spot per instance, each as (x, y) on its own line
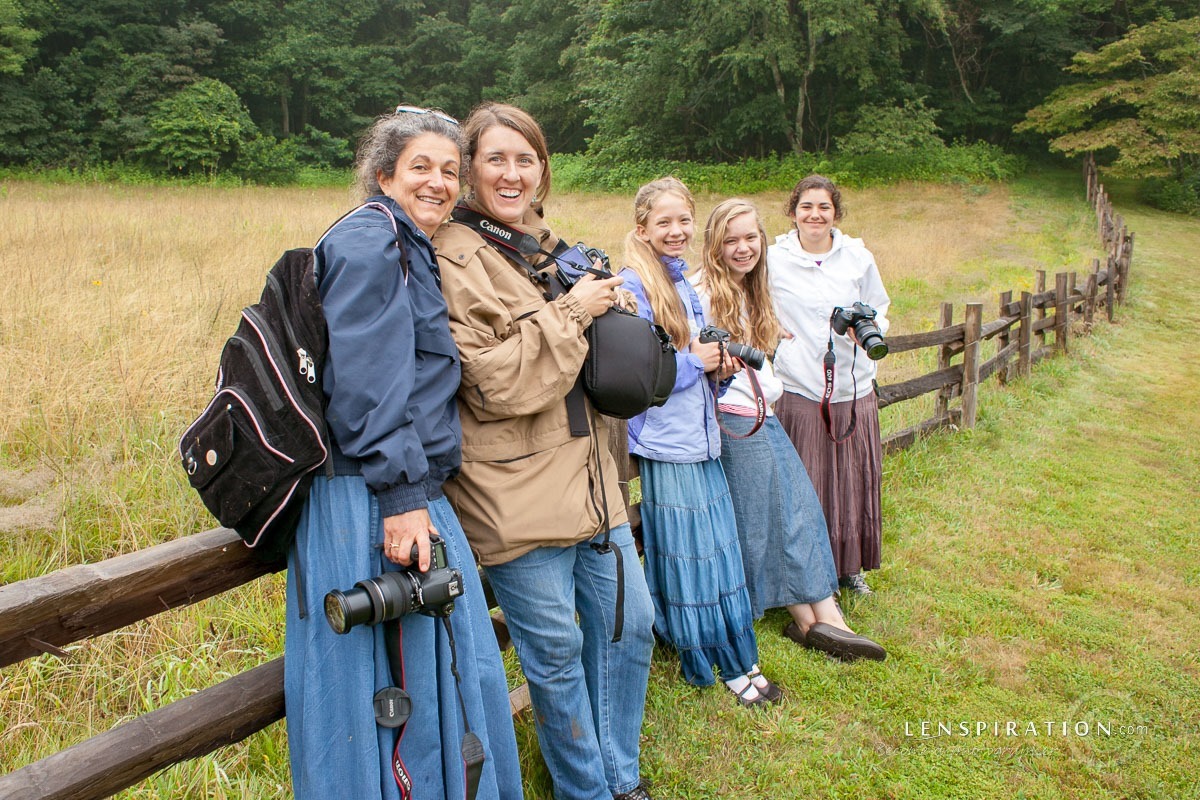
(843, 644)
(793, 632)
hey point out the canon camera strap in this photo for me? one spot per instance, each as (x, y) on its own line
(515, 245)
(827, 396)
(393, 707)
(760, 401)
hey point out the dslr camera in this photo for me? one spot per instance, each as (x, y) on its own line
(860, 317)
(753, 357)
(394, 594)
(580, 259)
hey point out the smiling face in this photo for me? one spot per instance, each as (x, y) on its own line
(742, 246)
(669, 226)
(425, 180)
(814, 218)
(505, 174)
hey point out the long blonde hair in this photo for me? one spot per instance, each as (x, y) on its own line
(745, 310)
(664, 300)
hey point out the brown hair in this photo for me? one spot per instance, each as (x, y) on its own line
(487, 116)
(816, 182)
(664, 301)
(745, 309)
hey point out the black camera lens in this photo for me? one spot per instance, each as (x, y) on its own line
(753, 357)
(385, 597)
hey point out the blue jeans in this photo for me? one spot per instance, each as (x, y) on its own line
(588, 693)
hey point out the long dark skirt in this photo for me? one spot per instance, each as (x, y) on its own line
(847, 476)
(785, 547)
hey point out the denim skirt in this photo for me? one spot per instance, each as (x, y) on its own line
(694, 569)
(785, 545)
(336, 748)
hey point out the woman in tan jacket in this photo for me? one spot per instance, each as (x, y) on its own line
(538, 493)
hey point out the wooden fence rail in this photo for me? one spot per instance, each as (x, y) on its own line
(44, 614)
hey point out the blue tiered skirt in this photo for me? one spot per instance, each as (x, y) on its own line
(694, 569)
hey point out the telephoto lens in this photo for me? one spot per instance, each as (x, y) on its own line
(372, 601)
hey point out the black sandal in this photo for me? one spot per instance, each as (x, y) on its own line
(773, 693)
(760, 700)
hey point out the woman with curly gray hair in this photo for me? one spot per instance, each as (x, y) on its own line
(390, 378)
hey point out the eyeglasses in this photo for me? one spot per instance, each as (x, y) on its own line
(418, 110)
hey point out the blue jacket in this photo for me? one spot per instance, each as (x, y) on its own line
(392, 369)
(683, 430)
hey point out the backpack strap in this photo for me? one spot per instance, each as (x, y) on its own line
(405, 262)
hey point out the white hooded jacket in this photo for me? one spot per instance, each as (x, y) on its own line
(805, 293)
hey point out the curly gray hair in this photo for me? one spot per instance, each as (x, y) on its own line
(386, 139)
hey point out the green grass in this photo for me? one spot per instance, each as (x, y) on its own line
(1041, 567)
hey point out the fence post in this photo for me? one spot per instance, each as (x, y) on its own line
(1089, 301)
(1003, 338)
(1039, 287)
(1123, 260)
(1062, 312)
(941, 403)
(971, 347)
(1024, 340)
(1110, 289)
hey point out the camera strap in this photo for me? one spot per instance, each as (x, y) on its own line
(830, 361)
(395, 706)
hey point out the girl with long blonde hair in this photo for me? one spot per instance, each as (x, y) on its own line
(689, 536)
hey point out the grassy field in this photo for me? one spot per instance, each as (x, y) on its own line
(1041, 582)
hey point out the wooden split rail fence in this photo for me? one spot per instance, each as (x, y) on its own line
(42, 615)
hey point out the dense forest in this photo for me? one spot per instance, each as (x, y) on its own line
(183, 86)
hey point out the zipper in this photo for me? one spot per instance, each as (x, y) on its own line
(276, 359)
(256, 363)
(305, 365)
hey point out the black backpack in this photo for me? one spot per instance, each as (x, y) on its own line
(252, 453)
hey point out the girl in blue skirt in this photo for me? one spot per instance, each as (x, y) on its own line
(693, 561)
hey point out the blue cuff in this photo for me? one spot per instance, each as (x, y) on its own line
(401, 498)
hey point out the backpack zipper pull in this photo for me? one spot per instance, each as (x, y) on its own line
(307, 368)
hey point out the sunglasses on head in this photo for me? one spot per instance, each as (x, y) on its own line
(418, 110)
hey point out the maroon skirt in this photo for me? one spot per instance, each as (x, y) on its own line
(847, 476)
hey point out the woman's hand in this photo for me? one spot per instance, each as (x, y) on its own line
(402, 531)
(709, 354)
(596, 295)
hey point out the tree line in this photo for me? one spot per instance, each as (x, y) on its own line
(259, 86)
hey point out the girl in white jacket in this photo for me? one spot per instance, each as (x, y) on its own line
(815, 268)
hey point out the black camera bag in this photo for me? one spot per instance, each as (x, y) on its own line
(630, 364)
(252, 453)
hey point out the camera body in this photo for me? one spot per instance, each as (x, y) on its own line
(753, 357)
(860, 317)
(394, 594)
(580, 259)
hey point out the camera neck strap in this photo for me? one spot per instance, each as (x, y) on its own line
(471, 749)
(827, 395)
